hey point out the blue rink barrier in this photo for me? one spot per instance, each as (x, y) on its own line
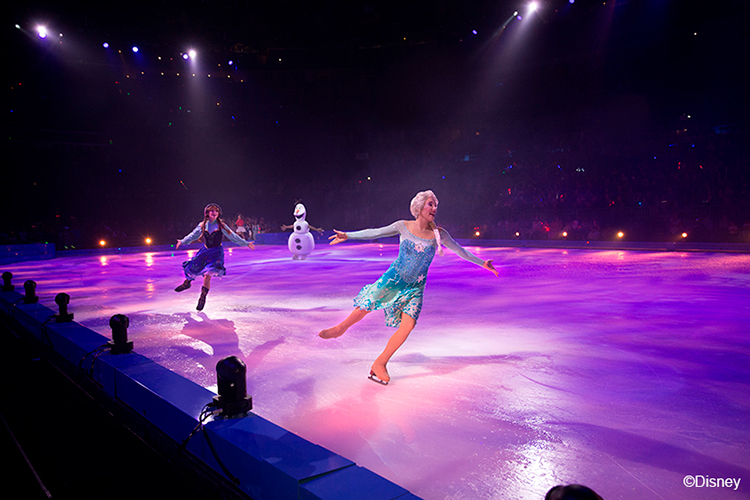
(269, 461)
(22, 253)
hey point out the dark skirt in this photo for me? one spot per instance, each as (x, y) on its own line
(207, 261)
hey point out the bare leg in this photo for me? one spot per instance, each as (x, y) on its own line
(338, 330)
(207, 281)
(396, 341)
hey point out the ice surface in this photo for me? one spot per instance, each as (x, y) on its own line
(625, 371)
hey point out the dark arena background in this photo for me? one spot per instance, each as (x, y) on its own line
(597, 151)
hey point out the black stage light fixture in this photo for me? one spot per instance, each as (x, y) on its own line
(7, 287)
(62, 300)
(29, 287)
(232, 399)
(120, 344)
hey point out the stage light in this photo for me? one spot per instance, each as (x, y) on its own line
(7, 287)
(565, 234)
(148, 241)
(185, 56)
(684, 235)
(232, 399)
(120, 344)
(134, 49)
(192, 53)
(102, 243)
(533, 6)
(29, 287)
(62, 300)
(230, 62)
(41, 31)
(620, 234)
(105, 45)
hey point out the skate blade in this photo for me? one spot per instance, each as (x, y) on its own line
(375, 379)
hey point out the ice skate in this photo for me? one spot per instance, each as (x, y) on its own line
(183, 286)
(202, 298)
(381, 378)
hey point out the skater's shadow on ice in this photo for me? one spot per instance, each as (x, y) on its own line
(255, 357)
(220, 334)
(442, 365)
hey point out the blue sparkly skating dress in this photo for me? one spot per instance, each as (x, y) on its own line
(401, 288)
(210, 258)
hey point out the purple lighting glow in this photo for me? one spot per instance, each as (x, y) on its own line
(538, 374)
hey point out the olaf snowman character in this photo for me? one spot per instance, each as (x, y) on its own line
(301, 242)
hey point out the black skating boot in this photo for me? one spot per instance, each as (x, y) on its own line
(184, 286)
(202, 298)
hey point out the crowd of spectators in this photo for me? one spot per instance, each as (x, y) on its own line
(668, 188)
(72, 233)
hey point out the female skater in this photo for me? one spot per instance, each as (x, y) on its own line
(400, 290)
(239, 227)
(209, 261)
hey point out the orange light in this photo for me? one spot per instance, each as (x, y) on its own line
(102, 242)
(684, 235)
(565, 234)
(148, 241)
(518, 234)
(620, 234)
(476, 233)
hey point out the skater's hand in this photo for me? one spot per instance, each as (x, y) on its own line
(487, 264)
(250, 245)
(178, 244)
(339, 237)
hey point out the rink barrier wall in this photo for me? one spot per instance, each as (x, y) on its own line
(21, 253)
(270, 462)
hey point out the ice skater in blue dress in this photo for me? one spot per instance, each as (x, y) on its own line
(400, 290)
(209, 261)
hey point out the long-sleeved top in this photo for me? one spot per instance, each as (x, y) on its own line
(212, 227)
(400, 289)
(399, 228)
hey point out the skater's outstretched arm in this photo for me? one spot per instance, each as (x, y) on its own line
(365, 234)
(450, 243)
(193, 236)
(236, 238)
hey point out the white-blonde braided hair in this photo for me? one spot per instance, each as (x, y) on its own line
(416, 206)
